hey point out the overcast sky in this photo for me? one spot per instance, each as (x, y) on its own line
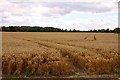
(66, 14)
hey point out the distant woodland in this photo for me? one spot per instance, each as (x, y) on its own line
(51, 29)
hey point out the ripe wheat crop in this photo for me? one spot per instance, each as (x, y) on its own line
(59, 54)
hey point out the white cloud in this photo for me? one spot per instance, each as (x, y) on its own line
(36, 1)
(53, 13)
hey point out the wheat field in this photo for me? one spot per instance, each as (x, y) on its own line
(59, 54)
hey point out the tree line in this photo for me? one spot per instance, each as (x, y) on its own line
(50, 29)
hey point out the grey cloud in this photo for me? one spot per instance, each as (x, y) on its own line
(56, 8)
(79, 6)
(24, 9)
(56, 12)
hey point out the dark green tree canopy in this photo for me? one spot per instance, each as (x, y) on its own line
(50, 29)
